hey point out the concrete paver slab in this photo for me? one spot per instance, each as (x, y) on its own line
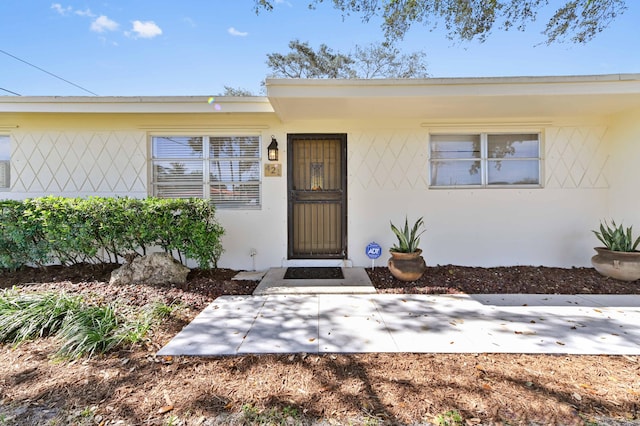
(346, 306)
(355, 334)
(235, 306)
(284, 334)
(303, 306)
(426, 334)
(209, 338)
(532, 300)
(339, 323)
(249, 275)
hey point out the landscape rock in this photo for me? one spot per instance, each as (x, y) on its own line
(153, 269)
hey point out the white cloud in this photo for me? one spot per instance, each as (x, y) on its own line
(86, 12)
(61, 10)
(102, 24)
(147, 29)
(237, 33)
(189, 22)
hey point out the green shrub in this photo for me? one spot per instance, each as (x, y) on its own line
(78, 230)
(22, 236)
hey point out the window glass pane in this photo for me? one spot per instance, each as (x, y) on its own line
(5, 165)
(179, 191)
(513, 146)
(514, 172)
(234, 171)
(5, 148)
(234, 147)
(455, 146)
(236, 195)
(177, 171)
(177, 147)
(455, 172)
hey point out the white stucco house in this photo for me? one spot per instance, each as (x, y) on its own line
(505, 171)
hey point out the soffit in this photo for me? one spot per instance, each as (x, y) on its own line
(456, 98)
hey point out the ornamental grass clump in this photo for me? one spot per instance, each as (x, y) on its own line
(91, 330)
(616, 238)
(83, 329)
(408, 239)
(32, 315)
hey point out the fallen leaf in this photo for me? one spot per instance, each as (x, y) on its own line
(576, 396)
(165, 409)
(167, 400)
(312, 339)
(560, 343)
(486, 387)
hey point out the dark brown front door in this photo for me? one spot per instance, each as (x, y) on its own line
(317, 181)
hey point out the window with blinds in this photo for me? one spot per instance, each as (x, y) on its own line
(222, 169)
(5, 162)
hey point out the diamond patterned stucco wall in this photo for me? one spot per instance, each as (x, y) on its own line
(79, 163)
(388, 160)
(575, 157)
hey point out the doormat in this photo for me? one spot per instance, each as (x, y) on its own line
(322, 273)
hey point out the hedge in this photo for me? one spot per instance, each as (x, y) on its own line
(69, 231)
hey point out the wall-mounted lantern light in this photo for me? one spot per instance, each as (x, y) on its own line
(272, 149)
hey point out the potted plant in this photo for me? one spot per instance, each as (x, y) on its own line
(619, 258)
(406, 262)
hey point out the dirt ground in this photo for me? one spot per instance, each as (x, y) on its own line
(134, 387)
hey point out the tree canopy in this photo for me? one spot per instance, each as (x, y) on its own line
(578, 21)
(372, 61)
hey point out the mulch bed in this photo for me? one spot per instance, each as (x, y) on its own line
(133, 386)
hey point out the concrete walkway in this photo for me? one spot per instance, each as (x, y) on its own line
(356, 323)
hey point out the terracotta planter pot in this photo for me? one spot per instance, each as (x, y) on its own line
(407, 266)
(624, 266)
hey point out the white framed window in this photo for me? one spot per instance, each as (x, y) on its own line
(222, 169)
(5, 163)
(485, 160)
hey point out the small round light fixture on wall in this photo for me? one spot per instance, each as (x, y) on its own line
(272, 149)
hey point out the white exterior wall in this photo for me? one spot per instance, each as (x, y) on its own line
(624, 198)
(387, 178)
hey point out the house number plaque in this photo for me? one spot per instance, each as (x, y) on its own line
(271, 170)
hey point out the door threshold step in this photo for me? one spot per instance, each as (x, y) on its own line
(355, 281)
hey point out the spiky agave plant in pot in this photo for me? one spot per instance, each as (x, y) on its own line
(406, 262)
(619, 258)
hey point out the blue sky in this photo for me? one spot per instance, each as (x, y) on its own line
(196, 47)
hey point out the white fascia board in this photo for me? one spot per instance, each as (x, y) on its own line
(432, 87)
(139, 105)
